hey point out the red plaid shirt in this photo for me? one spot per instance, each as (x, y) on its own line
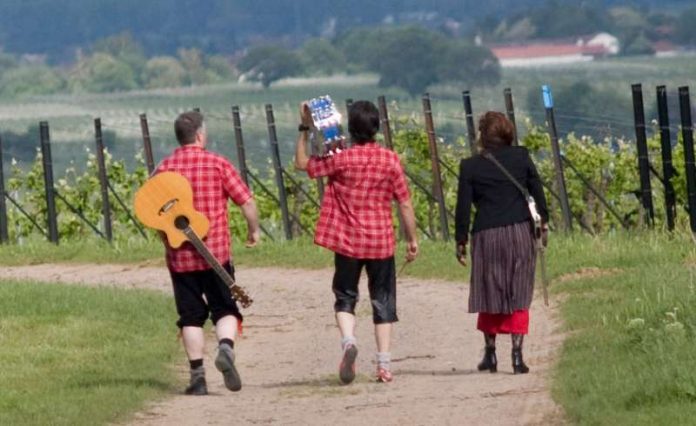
(356, 212)
(213, 180)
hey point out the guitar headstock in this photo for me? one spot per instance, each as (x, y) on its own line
(327, 119)
(244, 299)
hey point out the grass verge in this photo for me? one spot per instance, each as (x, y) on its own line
(82, 356)
(628, 357)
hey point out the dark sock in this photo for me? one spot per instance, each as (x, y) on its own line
(228, 342)
(196, 363)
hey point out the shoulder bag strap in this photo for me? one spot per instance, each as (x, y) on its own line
(488, 156)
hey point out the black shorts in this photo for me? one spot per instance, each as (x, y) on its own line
(189, 288)
(381, 282)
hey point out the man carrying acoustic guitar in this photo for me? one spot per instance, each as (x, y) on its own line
(356, 224)
(213, 181)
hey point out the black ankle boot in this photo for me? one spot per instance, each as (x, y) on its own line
(518, 365)
(490, 361)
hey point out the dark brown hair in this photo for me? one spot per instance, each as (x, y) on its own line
(495, 130)
(186, 126)
(363, 121)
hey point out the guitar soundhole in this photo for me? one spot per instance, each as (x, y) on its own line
(181, 222)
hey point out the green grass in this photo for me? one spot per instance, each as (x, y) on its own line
(434, 262)
(82, 356)
(37, 250)
(628, 357)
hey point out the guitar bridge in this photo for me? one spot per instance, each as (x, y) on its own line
(167, 206)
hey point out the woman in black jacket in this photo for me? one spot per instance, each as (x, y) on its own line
(502, 247)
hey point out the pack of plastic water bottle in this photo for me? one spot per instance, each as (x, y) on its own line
(327, 120)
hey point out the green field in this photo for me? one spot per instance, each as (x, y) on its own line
(70, 116)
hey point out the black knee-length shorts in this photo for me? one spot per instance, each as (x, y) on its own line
(189, 289)
(381, 283)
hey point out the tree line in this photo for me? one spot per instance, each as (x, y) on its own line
(115, 63)
(411, 58)
(637, 27)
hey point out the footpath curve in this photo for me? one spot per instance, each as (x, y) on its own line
(288, 357)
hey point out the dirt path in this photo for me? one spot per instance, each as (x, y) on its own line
(289, 357)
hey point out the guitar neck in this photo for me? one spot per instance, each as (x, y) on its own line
(208, 256)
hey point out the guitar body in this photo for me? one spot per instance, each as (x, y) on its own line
(162, 199)
(165, 203)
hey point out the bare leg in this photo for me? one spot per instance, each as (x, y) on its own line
(193, 342)
(383, 336)
(346, 324)
(226, 328)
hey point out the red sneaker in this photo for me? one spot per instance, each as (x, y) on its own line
(346, 370)
(384, 375)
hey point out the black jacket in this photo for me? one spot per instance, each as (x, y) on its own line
(498, 201)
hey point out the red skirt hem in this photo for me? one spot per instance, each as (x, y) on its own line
(515, 323)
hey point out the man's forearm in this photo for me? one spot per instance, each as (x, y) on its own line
(251, 215)
(409, 220)
(301, 158)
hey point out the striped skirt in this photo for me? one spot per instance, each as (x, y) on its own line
(502, 269)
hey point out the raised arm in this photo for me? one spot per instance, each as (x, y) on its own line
(301, 158)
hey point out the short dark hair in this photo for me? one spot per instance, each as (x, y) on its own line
(495, 130)
(363, 121)
(187, 125)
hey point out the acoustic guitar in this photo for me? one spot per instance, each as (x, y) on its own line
(165, 203)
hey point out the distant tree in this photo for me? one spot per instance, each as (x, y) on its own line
(638, 45)
(468, 64)
(521, 29)
(219, 68)
(163, 71)
(319, 56)
(361, 47)
(270, 63)
(409, 59)
(549, 19)
(102, 72)
(413, 58)
(685, 31)
(30, 80)
(563, 19)
(7, 62)
(193, 62)
(122, 47)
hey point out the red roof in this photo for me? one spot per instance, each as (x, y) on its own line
(664, 46)
(541, 50)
